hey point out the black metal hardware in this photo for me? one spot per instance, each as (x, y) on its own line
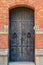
(28, 35)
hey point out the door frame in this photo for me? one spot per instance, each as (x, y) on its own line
(28, 63)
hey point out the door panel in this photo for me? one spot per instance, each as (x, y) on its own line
(21, 35)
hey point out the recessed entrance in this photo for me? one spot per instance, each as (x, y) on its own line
(21, 35)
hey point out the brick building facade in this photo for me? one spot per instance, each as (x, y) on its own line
(5, 6)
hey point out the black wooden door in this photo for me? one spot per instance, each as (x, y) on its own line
(21, 34)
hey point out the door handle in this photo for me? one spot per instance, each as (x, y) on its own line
(28, 35)
(14, 35)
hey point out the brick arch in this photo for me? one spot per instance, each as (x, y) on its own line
(21, 5)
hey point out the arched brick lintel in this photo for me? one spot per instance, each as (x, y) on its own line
(22, 5)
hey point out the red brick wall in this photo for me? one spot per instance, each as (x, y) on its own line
(36, 5)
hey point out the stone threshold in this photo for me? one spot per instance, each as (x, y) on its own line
(20, 63)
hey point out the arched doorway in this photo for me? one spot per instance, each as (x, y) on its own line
(21, 35)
